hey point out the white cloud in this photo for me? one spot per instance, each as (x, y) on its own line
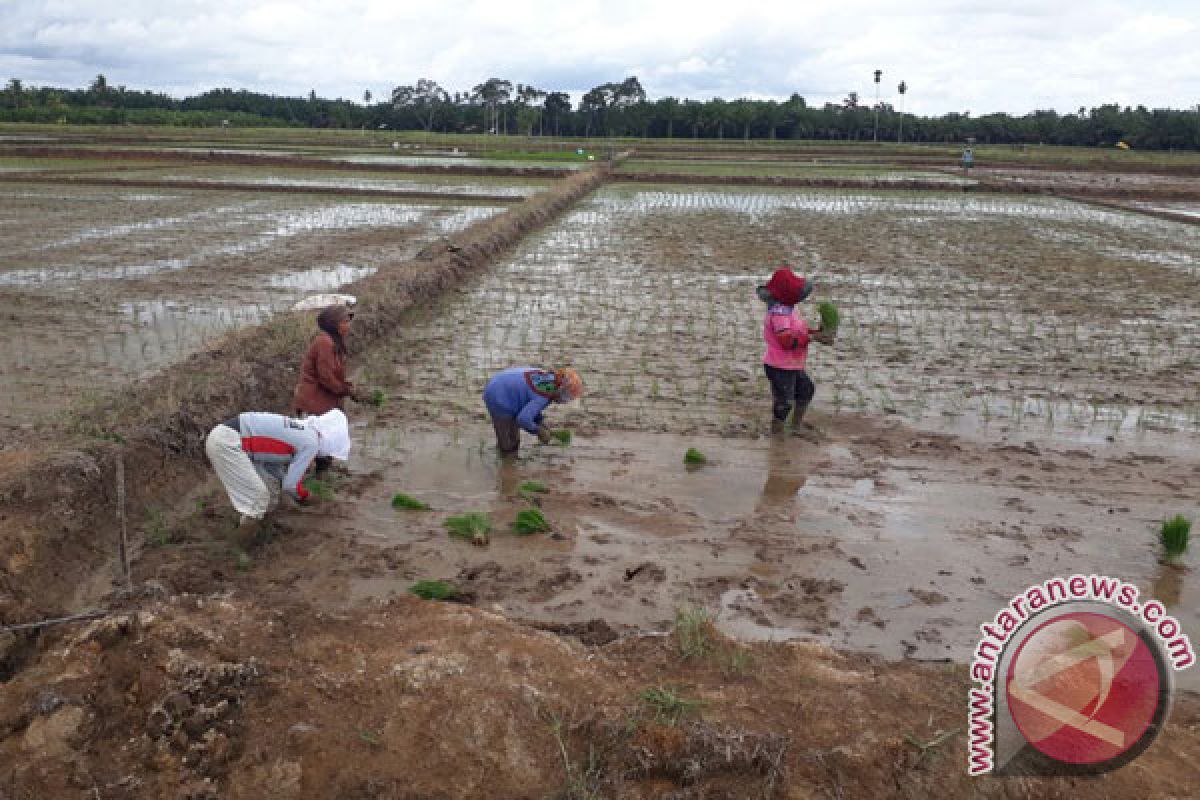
(1024, 55)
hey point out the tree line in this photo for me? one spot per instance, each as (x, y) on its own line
(611, 109)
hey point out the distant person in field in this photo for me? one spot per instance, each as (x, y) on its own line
(787, 336)
(323, 386)
(517, 397)
(257, 451)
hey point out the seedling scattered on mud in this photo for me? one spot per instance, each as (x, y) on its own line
(376, 398)
(320, 489)
(668, 705)
(473, 525)
(694, 458)
(562, 436)
(433, 590)
(531, 520)
(693, 632)
(532, 487)
(830, 318)
(407, 502)
(1174, 534)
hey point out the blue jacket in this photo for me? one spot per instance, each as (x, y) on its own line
(521, 392)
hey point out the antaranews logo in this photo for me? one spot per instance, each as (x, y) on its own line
(1074, 676)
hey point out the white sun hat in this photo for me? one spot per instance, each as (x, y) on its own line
(334, 431)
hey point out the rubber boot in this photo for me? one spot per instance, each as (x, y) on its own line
(803, 429)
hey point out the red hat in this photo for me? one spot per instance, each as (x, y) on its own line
(787, 287)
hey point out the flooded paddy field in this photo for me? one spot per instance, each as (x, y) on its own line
(269, 177)
(994, 412)
(812, 169)
(106, 284)
(1035, 314)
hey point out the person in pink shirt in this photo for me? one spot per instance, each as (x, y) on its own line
(787, 335)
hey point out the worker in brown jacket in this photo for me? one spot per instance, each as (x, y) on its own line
(323, 385)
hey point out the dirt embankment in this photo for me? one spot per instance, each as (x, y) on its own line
(205, 697)
(58, 487)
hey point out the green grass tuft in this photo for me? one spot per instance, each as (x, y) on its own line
(532, 487)
(1174, 534)
(400, 500)
(531, 520)
(376, 398)
(830, 318)
(693, 632)
(694, 457)
(470, 525)
(562, 436)
(433, 590)
(667, 704)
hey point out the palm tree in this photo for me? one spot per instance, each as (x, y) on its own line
(902, 88)
(878, 75)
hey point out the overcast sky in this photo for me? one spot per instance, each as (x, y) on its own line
(1014, 56)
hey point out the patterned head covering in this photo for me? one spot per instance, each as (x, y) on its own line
(570, 385)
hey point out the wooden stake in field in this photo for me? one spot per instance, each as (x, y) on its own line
(123, 544)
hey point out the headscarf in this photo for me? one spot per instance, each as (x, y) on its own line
(570, 385)
(328, 321)
(334, 431)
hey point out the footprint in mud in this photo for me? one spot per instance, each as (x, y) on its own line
(929, 598)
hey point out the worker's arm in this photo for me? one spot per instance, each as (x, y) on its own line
(329, 371)
(792, 333)
(293, 481)
(530, 417)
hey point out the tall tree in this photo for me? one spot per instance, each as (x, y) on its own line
(492, 94)
(424, 99)
(557, 105)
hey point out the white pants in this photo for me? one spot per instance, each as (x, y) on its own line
(248, 487)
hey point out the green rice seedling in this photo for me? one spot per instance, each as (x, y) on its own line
(376, 398)
(407, 502)
(693, 632)
(531, 520)
(322, 490)
(473, 525)
(433, 590)
(532, 487)
(694, 458)
(1174, 535)
(668, 705)
(562, 436)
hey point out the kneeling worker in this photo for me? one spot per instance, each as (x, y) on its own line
(255, 447)
(516, 397)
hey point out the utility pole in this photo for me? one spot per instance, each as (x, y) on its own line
(902, 88)
(878, 75)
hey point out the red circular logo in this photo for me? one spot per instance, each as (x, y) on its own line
(1085, 689)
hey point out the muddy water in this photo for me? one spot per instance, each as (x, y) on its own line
(994, 416)
(889, 541)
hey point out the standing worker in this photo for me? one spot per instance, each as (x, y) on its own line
(323, 386)
(786, 334)
(255, 449)
(516, 397)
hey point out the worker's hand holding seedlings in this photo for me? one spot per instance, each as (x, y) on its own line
(787, 335)
(516, 399)
(256, 447)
